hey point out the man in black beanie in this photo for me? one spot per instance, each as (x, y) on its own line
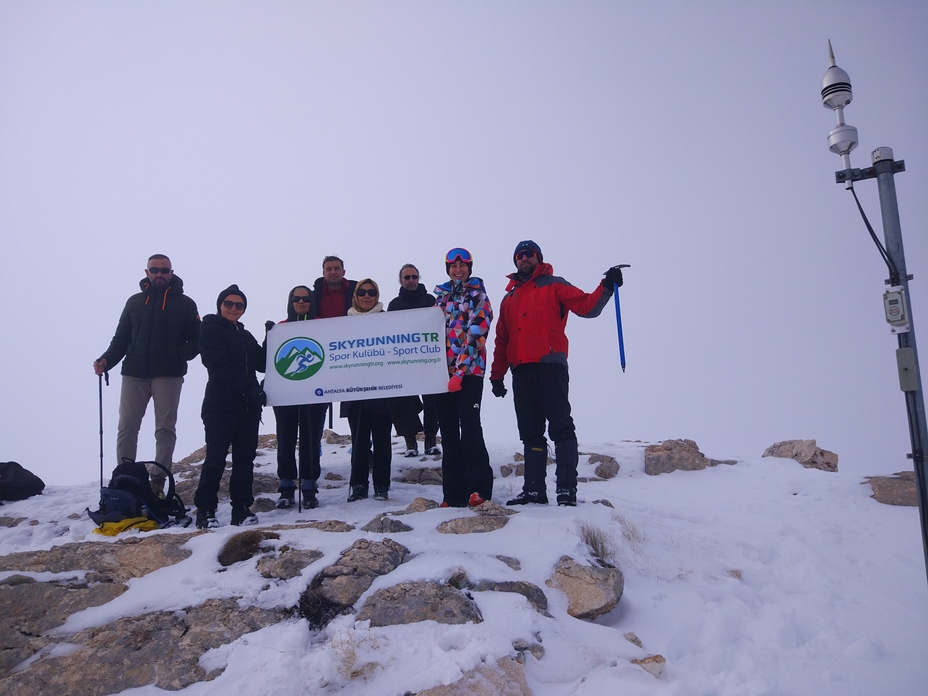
(530, 340)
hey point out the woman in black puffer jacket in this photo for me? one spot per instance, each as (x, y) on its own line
(231, 409)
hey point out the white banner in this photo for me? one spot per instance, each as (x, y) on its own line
(359, 357)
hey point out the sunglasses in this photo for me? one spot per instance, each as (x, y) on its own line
(366, 293)
(229, 304)
(458, 254)
(527, 254)
(410, 277)
(155, 270)
(300, 298)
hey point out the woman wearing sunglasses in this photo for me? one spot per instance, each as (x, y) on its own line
(370, 421)
(302, 423)
(467, 478)
(231, 409)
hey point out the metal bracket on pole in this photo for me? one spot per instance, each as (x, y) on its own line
(867, 173)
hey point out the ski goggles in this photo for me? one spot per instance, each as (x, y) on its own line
(370, 292)
(296, 299)
(458, 254)
(526, 254)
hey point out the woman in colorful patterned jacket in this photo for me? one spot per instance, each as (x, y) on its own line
(467, 478)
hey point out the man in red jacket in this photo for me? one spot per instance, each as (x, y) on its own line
(530, 340)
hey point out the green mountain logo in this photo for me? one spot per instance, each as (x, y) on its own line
(299, 358)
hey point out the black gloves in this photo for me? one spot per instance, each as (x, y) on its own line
(268, 325)
(257, 396)
(613, 278)
(499, 389)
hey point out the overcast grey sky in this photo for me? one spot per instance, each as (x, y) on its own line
(249, 140)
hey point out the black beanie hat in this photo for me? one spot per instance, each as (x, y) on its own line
(231, 290)
(526, 245)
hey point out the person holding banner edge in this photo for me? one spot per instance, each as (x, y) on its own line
(303, 423)
(333, 296)
(530, 339)
(467, 478)
(369, 419)
(413, 295)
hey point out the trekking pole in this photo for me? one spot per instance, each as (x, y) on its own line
(299, 459)
(618, 319)
(100, 380)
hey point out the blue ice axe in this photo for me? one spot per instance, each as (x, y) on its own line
(618, 319)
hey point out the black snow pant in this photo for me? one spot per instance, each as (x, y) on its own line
(430, 415)
(369, 426)
(306, 423)
(238, 429)
(540, 394)
(465, 463)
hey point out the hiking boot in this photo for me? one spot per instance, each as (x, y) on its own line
(526, 497)
(430, 447)
(411, 452)
(309, 500)
(206, 519)
(241, 514)
(357, 493)
(444, 503)
(380, 493)
(567, 497)
(475, 500)
(412, 447)
(286, 499)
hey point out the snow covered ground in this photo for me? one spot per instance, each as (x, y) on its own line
(757, 578)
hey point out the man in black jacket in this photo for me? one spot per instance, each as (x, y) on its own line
(157, 334)
(413, 295)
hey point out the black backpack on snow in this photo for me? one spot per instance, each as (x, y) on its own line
(17, 482)
(129, 495)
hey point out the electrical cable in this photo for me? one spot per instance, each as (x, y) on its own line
(893, 271)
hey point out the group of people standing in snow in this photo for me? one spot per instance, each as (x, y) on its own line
(159, 332)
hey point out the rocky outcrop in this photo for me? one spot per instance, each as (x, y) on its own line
(245, 545)
(385, 524)
(606, 467)
(677, 455)
(472, 525)
(333, 438)
(428, 476)
(411, 602)
(336, 588)
(505, 678)
(654, 664)
(534, 594)
(118, 656)
(29, 609)
(105, 561)
(418, 505)
(898, 489)
(590, 591)
(287, 563)
(806, 452)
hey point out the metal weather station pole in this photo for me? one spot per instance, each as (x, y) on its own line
(836, 94)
